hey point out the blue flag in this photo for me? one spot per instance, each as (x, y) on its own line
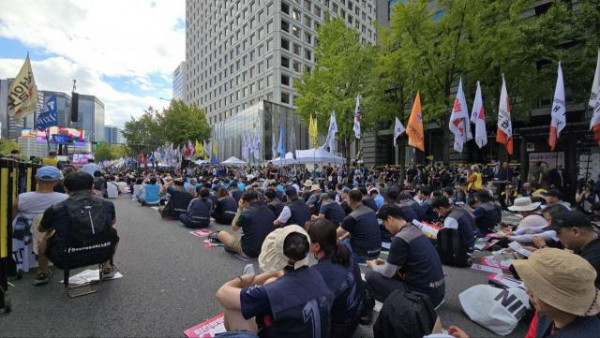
(281, 146)
(47, 117)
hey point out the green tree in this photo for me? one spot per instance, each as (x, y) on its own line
(340, 74)
(144, 134)
(181, 122)
(478, 40)
(103, 152)
(6, 146)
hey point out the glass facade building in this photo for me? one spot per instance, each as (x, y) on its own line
(263, 117)
(91, 118)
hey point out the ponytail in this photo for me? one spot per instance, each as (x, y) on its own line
(341, 255)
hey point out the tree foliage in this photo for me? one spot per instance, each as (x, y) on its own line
(340, 74)
(176, 124)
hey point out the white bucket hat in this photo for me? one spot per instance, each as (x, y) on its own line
(271, 256)
(524, 204)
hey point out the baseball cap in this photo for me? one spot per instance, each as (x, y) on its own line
(569, 219)
(48, 173)
(346, 190)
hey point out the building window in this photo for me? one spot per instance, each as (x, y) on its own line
(285, 62)
(285, 98)
(285, 26)
(307, 54)
(297, 50)
(284, 8)
(296, 32)
(285, 44)
(297, 66)
(285, 80)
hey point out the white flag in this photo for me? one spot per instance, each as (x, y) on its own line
(596, 84)
(357, 118)
(273, 145)
(559, 110)
(459, 120)
(256, 146)
(398, 130)
(333, 129)
(479, 113)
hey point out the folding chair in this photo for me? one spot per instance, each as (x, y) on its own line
(71, 290)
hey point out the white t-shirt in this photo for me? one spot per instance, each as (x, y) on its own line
(112, 189)
(33, 203)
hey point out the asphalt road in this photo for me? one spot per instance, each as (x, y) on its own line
(169, 283)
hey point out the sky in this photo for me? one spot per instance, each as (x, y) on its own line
(122, 51)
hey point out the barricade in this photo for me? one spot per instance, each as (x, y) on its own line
(15, 177)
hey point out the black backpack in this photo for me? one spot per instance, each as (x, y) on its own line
(405, 314)
(89, 237)
(451, 248)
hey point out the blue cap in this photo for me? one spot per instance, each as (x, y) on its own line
(48, 173)
(346, 189)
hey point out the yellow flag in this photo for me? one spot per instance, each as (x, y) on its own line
(22, 93)
(200, 150)
(215, 150)
(316, 133)
(312, 131)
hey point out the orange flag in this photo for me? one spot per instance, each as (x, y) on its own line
(414, 129)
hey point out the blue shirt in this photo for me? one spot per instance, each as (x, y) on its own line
(152, 193)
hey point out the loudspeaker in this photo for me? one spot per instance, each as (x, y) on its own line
(74, 107)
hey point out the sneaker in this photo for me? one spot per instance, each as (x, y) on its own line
(42, 278)
(213, 237)
(109, 272)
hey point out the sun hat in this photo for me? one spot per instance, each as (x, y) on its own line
(315, 187)
(271, 256)
(561, 279)
(308, 183)
(48, 174)
(524, 204)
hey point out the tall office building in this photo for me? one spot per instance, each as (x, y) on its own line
(242, 53)
(111, 135)
(63, 106)
(179, 81)
(91, 118)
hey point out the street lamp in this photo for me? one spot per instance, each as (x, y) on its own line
(392, 93)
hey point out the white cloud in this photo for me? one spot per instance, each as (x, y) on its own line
(98, 38)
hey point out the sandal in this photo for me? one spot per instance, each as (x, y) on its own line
(42, 278)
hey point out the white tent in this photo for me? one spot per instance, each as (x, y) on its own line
(318, 156)
(233, 161)
(201, 162)
(288, 159)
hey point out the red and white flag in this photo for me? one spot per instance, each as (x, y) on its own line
(459, 120)
(504, 134)
(595, 102)
(357, 118)
(479, 114)
(559, 110)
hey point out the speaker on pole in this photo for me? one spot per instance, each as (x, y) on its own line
(74, 107)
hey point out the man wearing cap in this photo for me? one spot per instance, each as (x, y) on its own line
(561, 287)
(313, 199)
(30, 206)
(576, 233)
(288, 300)
(362, 228)
(457, 218)
(553, 196)
(295, 211)
(330, 210)
(412, 264)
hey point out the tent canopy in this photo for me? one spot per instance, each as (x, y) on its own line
(201, 162)
(288, 159)
(233, 161)
(318, 156)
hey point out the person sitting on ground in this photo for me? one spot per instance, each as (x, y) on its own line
(533, 224)
(278, 189)
(263, 304)
(449, 194)
(376, 196)
(198, 210)
(367, 200)
(178, 202)
(560, 286)
(577, 233)
(226, 207)
(295, 211)
(112, 188)
(138, 190)
(91, 167)
(30, 205)
(508, 196)
(313, 199)
(256, 221)
(330, 210)
(553, 197)
(413, 263)
(425, 201)
(459, 219)
(362, 228)
(405, 200)
(58, 221)
(342, 275)
(487, 213)
(151, 192)
(586, 198)
(235, 192)
(273, 202)
(100, 185)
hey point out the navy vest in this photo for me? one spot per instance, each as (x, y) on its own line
(199, 211)
(301, 304)
(418, 210)
(466, 226)
(489, 219)
(257, 224)
(300, 213)
(276, 206)
(178, 203)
